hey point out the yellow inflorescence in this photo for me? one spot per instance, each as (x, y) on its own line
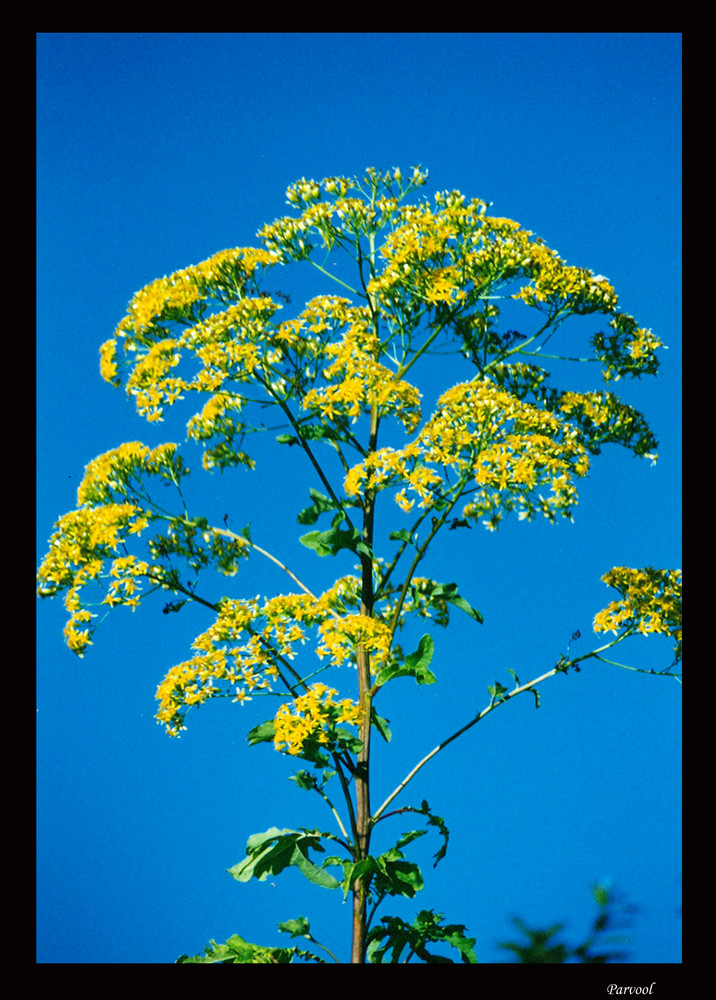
(249, 642)
(651, 602)
(82, 542)
(310, 716)
(212, 331)
(508, 448)
(359, 381)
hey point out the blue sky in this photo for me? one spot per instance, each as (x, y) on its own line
(156, 151)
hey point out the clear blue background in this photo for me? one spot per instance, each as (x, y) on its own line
(158, 150)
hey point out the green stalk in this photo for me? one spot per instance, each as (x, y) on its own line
(494, 703)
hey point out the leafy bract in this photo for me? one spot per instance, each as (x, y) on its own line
(414, 665)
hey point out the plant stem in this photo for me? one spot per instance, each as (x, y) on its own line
(322, 946)
(362, 773)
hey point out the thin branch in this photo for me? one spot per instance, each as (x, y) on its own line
(420, 553)
(242, 538)
(494, 703)
(314, 461)
(641, 670)
(176, 585)
(333, 277)
(463, 729)
(349, 802)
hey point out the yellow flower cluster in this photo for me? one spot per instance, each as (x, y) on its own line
(433, 255)
(360, 381)
(150, 382)
(340, 637)
(339, 217)
(230, 651)
(114, 472)
(152, 355)
(108, 367)
(249, 642)
(209, 329)
(387, 466)
(651, 602)
(450, 255)
(226, 345)
(630, 350)
(596, 406)
(225, 273)
(508, 447)
(642, 344)
(458, 253)
(601, 418)
(558, 287)
(312, 716)
(216, 420)
(88, 545)
(82, 542)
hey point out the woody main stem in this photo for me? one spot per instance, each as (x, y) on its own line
(362, 774)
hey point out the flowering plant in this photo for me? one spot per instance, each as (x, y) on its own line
(339, 374)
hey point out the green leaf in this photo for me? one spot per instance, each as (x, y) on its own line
(264, 733)
(353, 871)
(397, 877)
(270, 852)
(396, 935)
(310, 432)
(317, 541)
(439, 822)
(296, 928)
(346, 740)
(365, 550)
(415, 665)
(497, 691)
(305, 780)
(421, 658)
(381, 725)
(319, 876)
(321, 504)
(465, 945)
(237, 951)
(328, 543)
(448, 592)
(408, 838)
(266, 854)
(365, 867)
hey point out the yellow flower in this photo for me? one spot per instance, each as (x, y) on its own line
(403, 502)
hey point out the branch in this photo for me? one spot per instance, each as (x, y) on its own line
(314, 461)
(473, 722)
(333, 277)
(177, 585)
(437, 524)
(495, 701)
